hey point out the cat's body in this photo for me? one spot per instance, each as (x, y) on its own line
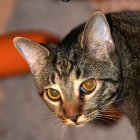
(125, 30)
(97, 64)
(126, 34)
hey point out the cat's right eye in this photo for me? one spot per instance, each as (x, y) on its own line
(53, 94)
(88, 86)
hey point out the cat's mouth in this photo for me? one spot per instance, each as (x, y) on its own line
(80, 122)
(75, 124)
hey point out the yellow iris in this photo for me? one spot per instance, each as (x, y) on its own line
(53, 94)
(89, 85)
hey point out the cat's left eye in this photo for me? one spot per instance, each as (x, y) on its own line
(88, 86)
(53, 94)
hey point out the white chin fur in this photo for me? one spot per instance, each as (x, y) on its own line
(80, 125)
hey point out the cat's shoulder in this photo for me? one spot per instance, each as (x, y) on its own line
(125, 15)
(128, 21)
(125, 28)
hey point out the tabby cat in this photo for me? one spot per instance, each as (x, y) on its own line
(96, 65)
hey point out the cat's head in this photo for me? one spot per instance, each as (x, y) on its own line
(78, 77)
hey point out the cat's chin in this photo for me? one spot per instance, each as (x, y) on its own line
(79, 125)
(75, 125)
(71, 123)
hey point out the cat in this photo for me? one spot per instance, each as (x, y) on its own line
(97, 64)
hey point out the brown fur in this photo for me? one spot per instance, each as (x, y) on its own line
(105, 49)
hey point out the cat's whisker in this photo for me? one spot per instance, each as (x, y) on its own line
(57, 125)
(115, 101)
(63, 131)
(91, 116)
(111, 117)
(102, 119)
(115, 118)
(109, 110)
(107, 115)
(99, 124)
(91, 113)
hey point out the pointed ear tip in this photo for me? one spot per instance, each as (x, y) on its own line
(97, 15)
(16, 39)
(100, 13)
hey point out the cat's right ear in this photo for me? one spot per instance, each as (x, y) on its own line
(97, 37)
(35, 54)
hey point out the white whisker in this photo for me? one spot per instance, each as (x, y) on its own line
(115, 101)
(63, 132)
(55, 128)
(102, 119)
(96, 122)
(108, 117)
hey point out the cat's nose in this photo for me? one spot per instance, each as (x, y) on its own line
(74, 118)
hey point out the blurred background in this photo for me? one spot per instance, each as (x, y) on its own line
(23, 115)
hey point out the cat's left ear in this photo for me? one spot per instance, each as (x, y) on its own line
(97, 36)
(35, 54)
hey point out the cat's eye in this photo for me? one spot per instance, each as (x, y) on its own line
(88, 86)
(53, 94)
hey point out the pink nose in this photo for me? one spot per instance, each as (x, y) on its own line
(71, 110)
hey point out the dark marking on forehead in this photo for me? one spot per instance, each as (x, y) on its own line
(78, 72)
(53, 78)
(64, 67)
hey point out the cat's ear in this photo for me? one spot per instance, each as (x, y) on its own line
(97, 36)
(35, 54)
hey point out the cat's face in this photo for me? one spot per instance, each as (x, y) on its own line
(79, 77)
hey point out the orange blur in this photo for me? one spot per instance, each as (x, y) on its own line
(11, 62)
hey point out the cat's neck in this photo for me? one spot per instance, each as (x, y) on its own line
(127, 39)
(130, 80)
(127, 45)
